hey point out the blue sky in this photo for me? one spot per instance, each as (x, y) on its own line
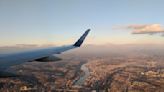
(63, 21)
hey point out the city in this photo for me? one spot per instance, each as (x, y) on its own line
(112, 72)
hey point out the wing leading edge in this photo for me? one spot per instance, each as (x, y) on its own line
(18, 58)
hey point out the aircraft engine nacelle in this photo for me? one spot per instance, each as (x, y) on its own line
(48, 59)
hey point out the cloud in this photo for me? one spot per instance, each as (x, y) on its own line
(146, 29)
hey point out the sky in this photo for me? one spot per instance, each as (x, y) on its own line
(61, 22)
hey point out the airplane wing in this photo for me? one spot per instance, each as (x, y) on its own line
(18, 58)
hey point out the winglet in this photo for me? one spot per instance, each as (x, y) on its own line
(82, 38)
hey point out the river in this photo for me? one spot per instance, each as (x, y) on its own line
(81, 81)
